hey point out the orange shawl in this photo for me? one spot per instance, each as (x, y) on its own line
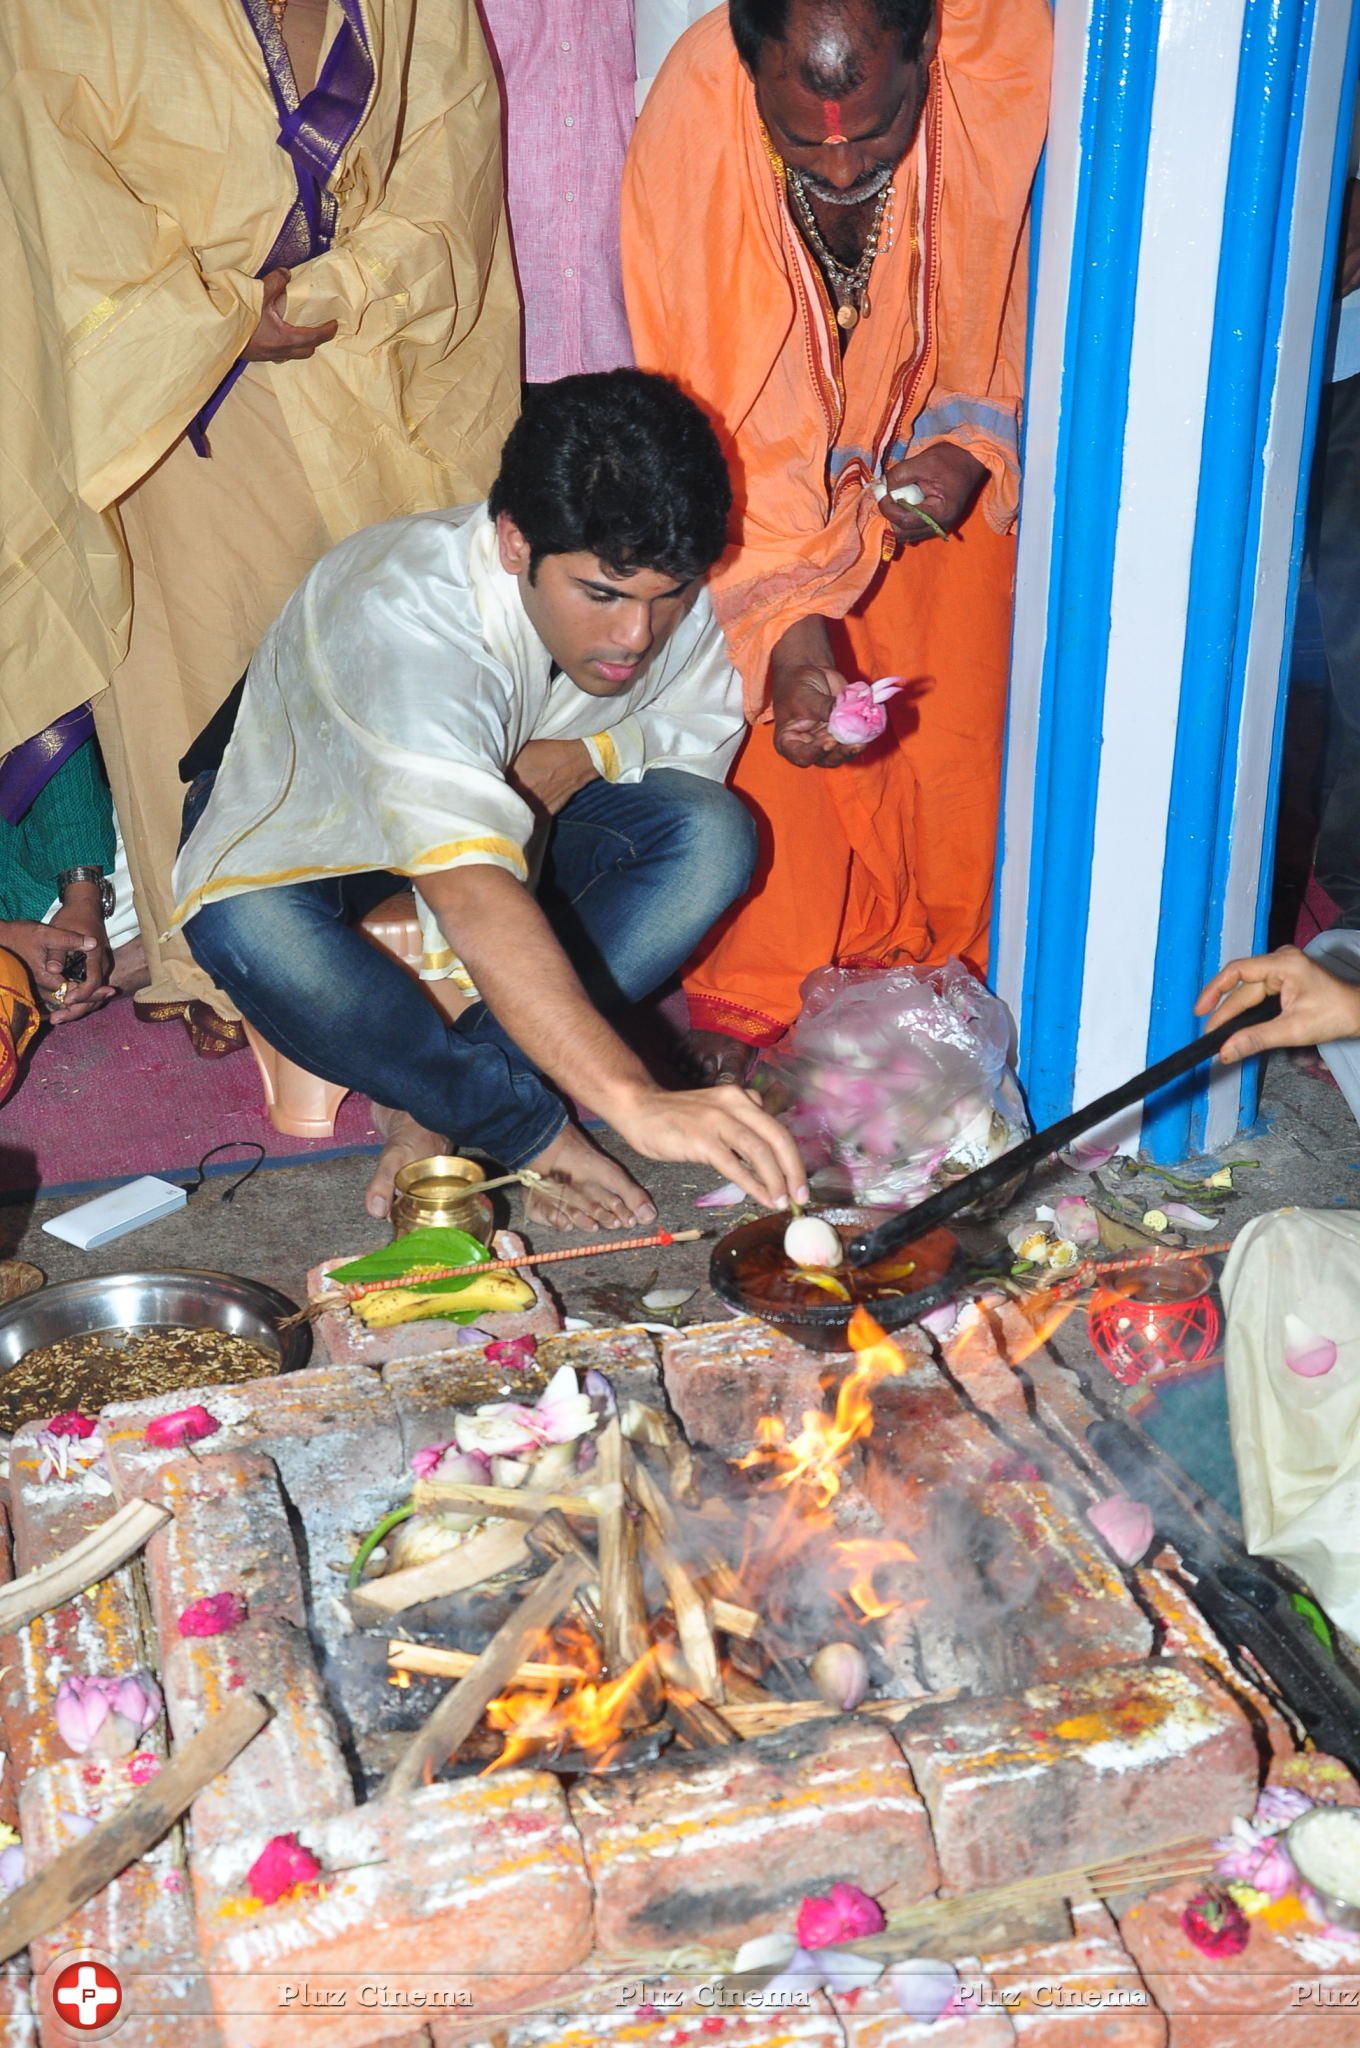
(722, 297)
(18, 1017)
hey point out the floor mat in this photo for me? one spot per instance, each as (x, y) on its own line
(108, 1098)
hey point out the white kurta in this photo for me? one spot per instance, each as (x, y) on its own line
(390, 697)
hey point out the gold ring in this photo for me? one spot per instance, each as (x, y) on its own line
(59, 993)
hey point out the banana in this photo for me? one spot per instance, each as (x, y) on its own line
(493, 1294)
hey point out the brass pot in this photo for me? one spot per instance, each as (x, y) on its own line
(439, 1192)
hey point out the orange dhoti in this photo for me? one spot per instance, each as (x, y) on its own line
(888, 858)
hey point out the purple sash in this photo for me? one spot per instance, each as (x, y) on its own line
(26, 771)
(314, 131)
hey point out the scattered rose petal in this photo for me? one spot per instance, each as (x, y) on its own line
(184, 1426)
(764, 1952)
(923, 1987)
(281, 1865)
(1305, 1353)
(600, 1388)
(844, 1914)
(514, 1352)
(173, 1881)
(563, 1411)
(72, 1423)
(1186, 1218)
(1125, 1526)
(668, 1297)
(940, 1321)
(725, 1197)
(1086, 1158)
(142, 1767)
(843, 1972)
(11, 1870)
(213, 1615)
(1076, 1220)
(1215, 1925)
(424, 1461)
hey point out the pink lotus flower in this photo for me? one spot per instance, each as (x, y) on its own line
(281, 1867)
(846, 1915)
(513, 1352)
(184, 1426)
(72, 1423)
(1263, 1864)
(858, 714)
(109, 1715)
(213, 1615)
(1125, 1526)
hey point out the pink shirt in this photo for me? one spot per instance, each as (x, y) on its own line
(567, 78)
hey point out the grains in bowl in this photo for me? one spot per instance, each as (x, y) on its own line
(88, 1372)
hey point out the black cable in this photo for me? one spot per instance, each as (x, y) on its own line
(229, 1145)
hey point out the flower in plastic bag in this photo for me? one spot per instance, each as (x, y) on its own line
(859, 714)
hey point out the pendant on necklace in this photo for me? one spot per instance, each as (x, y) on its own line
(847, 317)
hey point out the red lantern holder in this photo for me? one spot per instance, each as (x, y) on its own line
(1164, 1321)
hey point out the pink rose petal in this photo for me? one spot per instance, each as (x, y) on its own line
(1124, 1526)
(72, 1423)
(1305, 1353)
(280, 1866)
(184, 1426)
(214, 1615)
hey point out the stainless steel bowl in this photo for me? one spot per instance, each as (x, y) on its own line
(140, 1301)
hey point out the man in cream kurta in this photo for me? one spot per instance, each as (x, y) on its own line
(155, 159)
(526, 707)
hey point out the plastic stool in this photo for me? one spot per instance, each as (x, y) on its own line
(302, 1105)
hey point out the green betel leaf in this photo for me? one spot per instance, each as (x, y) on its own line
(416, 1252)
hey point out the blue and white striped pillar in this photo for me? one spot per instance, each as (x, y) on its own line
(1189, 205)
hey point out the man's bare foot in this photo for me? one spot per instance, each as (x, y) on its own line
(712, 1057)
(405, 1141)
(131, 973)
(594, 1191)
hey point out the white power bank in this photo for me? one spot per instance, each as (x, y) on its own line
(113, 1215)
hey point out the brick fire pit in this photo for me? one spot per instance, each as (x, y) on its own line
(1054, 1714)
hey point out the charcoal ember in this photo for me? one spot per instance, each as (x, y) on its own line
(359, 1679)
(463, 1621)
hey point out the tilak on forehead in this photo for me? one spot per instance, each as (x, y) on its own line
(831, 114)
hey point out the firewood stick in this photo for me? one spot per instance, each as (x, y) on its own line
(484, 1555)
(98, 1553)
(701, 1726)
(759, 1718)
(623, 1608)
(73, 1877)
(458, 1713)
(642, 1424)
(695, 1630)
(521, 1503)
(551, 1537)
(432, 1663)
(740, 1688)
(733, 1620)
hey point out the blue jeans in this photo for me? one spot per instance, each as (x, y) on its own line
(635, 875)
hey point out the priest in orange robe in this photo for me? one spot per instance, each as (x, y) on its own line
(825, 219)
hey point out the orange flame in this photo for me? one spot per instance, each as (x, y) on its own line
(817, 1456)
(589, 1719)
(862, 1556)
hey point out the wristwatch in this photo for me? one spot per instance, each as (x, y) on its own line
(107, 899)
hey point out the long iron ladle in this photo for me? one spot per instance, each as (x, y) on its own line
(891, 1235)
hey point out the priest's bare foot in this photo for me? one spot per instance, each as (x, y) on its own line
(712, 1057)
(405, 1141)
(593, 1192)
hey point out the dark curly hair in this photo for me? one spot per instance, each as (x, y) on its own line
(618, 464)
(758, 22)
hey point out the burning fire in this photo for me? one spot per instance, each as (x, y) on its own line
(819, 1453)
(590, 1718)
(862, 1556)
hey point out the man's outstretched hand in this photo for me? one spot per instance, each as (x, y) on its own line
(801, 700)
(274, 340)
(949, 479)
(724, 1128)
(1315, 1006)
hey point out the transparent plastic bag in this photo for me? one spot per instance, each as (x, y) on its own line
(898, 1076)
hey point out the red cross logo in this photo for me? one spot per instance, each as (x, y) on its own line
(87, 1995)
